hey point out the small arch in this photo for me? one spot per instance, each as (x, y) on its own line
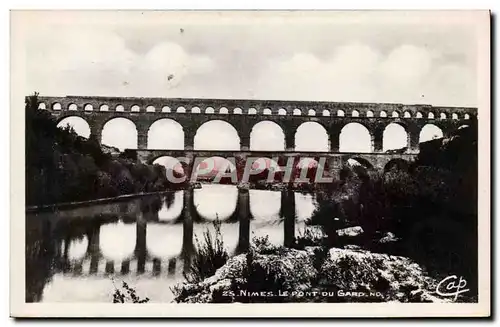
(252, 111)
(406, 114)
(181, 110)
(454, 116)
(396, 164)
(355, 113)
(237, 111)
(267, 111)
(223, 110)
(42, 106)
(326, 112)
(358, 161)
(135, 108)
(383, 114)
(466, 116)
(369, 113)
(463, 126)
(150, 109)
(311, 112)
(195, 110)
(340, 113)
(88, 107)
(104, 107)
(209, 110)
(442, 115)
(431, 115)
(166, 109)
(297, 112)
(56, 106)
(419, 115)
(120, 108)
(395, 114)
(282, 112)
(73, 107)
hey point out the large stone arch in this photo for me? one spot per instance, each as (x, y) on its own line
(395, 136)
(430, 132)
(355, 137)
(311, 136)
(267, 135)
(120, 132)
(396, 164)
(79, 125)
(166, 134)
(216, 134)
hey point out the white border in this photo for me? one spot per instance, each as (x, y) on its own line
(19, 308)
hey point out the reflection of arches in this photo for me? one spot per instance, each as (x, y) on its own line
(297, 112)
(282, 112)
(172, 206)
(117, 241)
(267, 136)
(265, 205)
(355, 113)
(79, 125)
(157, 244)
(311, 136)
(430, 132)
(216, 135)
(394, 137)
(266, 111)
(340, 113)
(326, 112)
(311, 112)
(120, 132)
(215, 201)
(237, 111)
(165, 134)
(396, 164)
(383, 114)
(369, 113)
(77, 248)
(355, 137)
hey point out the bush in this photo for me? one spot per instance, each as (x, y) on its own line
(127, 294)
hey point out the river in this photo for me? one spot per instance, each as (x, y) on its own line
(81, 254)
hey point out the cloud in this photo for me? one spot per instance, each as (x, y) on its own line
(98, 62)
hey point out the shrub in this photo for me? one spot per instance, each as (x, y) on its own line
(127, 294)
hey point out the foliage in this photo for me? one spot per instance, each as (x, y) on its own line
(210, 255)
(127, 294)
(64, 167)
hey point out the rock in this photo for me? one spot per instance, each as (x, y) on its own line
(288, 270)
(393, 277)
(350, 231)
(352, 247)
(389, 237)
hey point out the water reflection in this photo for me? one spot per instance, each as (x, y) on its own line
(75, 255)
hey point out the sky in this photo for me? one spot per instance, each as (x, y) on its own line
(341, 57)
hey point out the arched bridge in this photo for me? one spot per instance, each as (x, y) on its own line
(243, 115)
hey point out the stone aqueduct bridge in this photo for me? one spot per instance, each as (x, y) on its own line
(244, 114)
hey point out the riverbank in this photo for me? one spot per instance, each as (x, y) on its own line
(75, 204)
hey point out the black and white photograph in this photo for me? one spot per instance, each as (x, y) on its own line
(245, 159)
